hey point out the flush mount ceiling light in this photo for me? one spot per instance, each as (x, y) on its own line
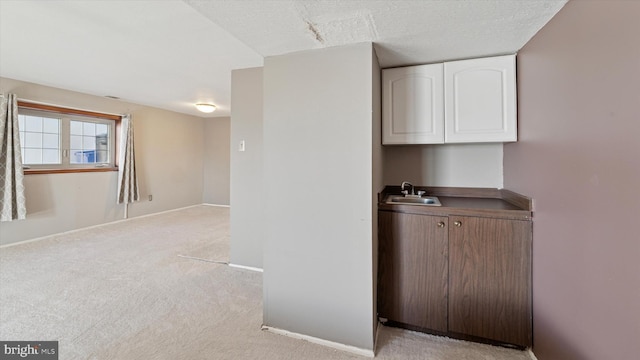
(206, 108)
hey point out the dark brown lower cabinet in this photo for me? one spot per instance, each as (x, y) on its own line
(413, 269)
(490, 279)
(462, 275)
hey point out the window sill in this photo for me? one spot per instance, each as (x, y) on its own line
(64, 171)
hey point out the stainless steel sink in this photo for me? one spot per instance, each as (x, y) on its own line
(414, 200)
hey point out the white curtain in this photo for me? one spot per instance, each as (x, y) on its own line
(12, 200)
(128, 191)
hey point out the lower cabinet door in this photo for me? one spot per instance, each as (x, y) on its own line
(490, 278)
(413, 269)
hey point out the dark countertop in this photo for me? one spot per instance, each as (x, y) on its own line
(482, 202)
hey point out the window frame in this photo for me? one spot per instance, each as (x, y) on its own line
(74, 168)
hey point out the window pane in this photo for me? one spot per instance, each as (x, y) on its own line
(21, 139)
(79, 157)
(83, 157)
(51, 125)
(33, 140)
(50, 141)
(32, 156)
(21, 122)
(91, 156)
(75, 127)
(102, 156)
(102, 130)
(88, 129)
(50, 156)
(76, 142)
(89, 142)
(102, 142)
(33, 123)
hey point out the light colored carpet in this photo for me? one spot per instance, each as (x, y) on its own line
(122, 291)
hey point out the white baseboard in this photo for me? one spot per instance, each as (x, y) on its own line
(216, 205)
(246, 267)
(315, 340)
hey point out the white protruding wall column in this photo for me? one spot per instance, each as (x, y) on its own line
(319, 188)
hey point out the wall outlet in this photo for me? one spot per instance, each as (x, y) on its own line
(150, 197)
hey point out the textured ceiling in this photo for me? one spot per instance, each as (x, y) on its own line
(404, 31)
(171, 54)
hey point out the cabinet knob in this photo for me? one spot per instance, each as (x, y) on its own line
(457, 223)
(440, 224)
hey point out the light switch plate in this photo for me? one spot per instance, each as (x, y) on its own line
(241, 146)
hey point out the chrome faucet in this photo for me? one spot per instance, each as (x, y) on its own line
(413, 193)
(406, 192)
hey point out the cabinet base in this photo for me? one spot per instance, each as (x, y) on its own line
(452, 335)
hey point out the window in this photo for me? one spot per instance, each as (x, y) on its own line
(54, 139)
(39, 139)
(89, 143)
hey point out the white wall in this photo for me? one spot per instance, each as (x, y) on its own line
(463, 165)
(247, 227)
(216, 172)
(318, 131)
(169, 155)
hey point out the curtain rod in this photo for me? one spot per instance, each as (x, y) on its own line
(74, 108)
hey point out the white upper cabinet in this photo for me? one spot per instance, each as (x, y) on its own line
(459, 101)
(480, 100)
(413, 105)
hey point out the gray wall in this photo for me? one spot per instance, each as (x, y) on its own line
(247, 227)
(216, 160)
(377, 168)
(169, 150)
(318, 134)
(465, 165)
(579, 158)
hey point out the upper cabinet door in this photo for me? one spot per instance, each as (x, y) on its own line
(480, 100)
(413, 105)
